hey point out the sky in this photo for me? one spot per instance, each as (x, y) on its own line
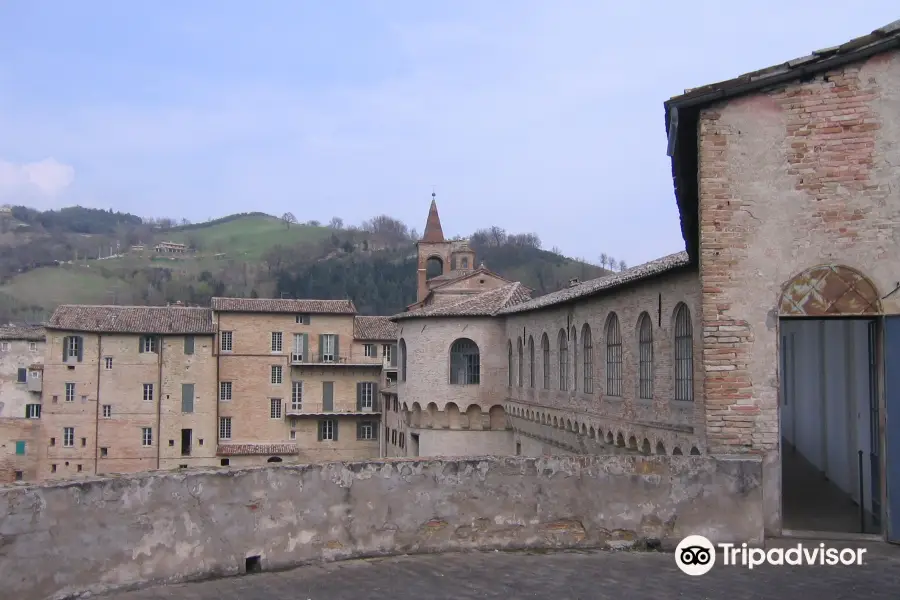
(534, 115)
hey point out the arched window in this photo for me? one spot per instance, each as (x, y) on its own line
(563, 345)
(645, 357)
(531, 360)
(402, 347)
(509, 364)
(465, 363)
(574, 346)
(684, 355)
(588, 355)
(545, 350)
(521, 365)
(613, 356)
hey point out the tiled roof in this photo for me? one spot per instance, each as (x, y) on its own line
(593, 286)
(133, 319)
(248, 449)
(485, 304)
(283, 305)
(461, 275)
(433, 231)
(31, 333)
(374, 328)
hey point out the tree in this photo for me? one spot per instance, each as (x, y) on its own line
(603, 259)
(336, 223)
(288, 219)
(622, 265)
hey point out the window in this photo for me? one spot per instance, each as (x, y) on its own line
(298, 351)
(224, 428)
(68, 437)
(275, 408)
(531, 361)
(645, 357)
(276, 341)
(53, 468)
(32, 411)
(293, 434)
(366, 398)
(146, 436)
(588, 356)
(20, 475)
(563, 347)
(148, 343)
(521, 365)
(276, 376)
(72, 347)
(188, 344)
(302, 319)
(684, 355)
(365, 430)
(104, 452)
(464, 262)
(386, 352)
(224, 391)
(20, 447)
(296, 395)
(402, 349)
(394, 437)
(4, 346)
(545, 350)
(465, 363)
(369, 350)
(225, 341)
(22, 375)
(32, 346)
(329, 347)
(107, 411)
(613, 356)
(148, 392)
(402, 442)
(107, 362)
(573, 347)
(509, 364)
(327, 430)
(70, 392)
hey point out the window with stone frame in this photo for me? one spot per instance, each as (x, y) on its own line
(531, 361)
(613, 356)
(645, 357)
(563, 349)
(684, 355)
(587, 356)
(545, 359)
(465, 363)
(520, 367)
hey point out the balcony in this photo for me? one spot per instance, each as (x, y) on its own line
(298, 360)
(389, 364)
(315, 410)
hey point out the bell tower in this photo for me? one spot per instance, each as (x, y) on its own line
(431, 248)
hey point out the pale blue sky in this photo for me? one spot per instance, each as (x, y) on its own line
(535, 115)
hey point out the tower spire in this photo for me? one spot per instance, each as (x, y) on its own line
(433, 230)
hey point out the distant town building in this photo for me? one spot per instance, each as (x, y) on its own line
(171, 247)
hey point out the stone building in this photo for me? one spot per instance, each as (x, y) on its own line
(775, 333)
(21, 370)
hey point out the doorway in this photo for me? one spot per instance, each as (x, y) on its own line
(830, 429)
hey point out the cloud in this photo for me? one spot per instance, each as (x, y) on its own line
(36, 181)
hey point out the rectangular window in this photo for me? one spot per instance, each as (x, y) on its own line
(72, 347)
(104, 452)
(148, 343)
(298, 351)
(20, 448)
(107, 363)
(366, 395)
(302, 319)
(146, 436)
(328, 344)
(327, 430)
(296, 395)
(32, 346)
(276, 341)
(293, 434)
(369, 350)
(366, 430)
(275, 408)
(225, 341)
(394, 437)
(68, 437)
(187, 397)
(386, 352)
(188, 344)
(148, 392)
(224, 428)
(22, 375)
(32, 411)
(276, 376)
(224, 391)
(70, 392)
(327, 396)
(107, 411)
(4, 346)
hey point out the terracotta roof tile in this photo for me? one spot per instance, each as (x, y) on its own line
(248, 449)
(433, 231)
(485, 304)
(31, 333)
(172, 320)
(283, 305)
(374, 328)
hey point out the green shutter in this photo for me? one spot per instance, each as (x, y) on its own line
(22, 375)
(20, 448)
(393, 355)
(187, 397)
(321, 347)
(306, 356)
(320, 427)
(337, 351)
(306, 319)
(359, 396)
(188, 344)
(359, 425)
(141, 343)
(376, 350)
(327, 396)
(65, 348)
(336, 422)
(376, 399)
(80, 348)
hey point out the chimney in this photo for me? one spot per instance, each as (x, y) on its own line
(573, 282)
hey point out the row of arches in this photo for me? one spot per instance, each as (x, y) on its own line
(568, 363)
(618, 438)
(473, 418)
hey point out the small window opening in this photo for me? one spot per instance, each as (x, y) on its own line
(253, 564)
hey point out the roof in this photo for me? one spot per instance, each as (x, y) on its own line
(647, 270)
(283, 305)
(374, 328)
(457, 276)
(682, 111)
(485, 304)
(31, 333)
(163, 320)
(433, 231)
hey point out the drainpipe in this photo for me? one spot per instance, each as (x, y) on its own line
(159, 400)
(215, 352)
(97, 413)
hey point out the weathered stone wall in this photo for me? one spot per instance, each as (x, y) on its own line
(105, 533)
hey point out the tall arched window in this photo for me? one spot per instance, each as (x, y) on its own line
(531, 360)
(684, 355)
(645, 357)
(465, 363)
(545, 350)
(509, 364)
(402, 347)
(573, 345)
(563, 348)
(588, 356)
(613, 356)
(521, 365)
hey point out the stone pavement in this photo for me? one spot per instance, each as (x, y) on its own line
(572, 575)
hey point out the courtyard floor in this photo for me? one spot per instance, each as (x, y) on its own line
(575, 575)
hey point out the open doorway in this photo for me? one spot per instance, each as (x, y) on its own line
(830, 425)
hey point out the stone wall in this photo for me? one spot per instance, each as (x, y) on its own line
(101, 534)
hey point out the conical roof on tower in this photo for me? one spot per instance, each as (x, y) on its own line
(433, 230)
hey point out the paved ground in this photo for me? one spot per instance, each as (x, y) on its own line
(556, 576)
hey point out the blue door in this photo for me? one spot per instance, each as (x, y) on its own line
(892, 425)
